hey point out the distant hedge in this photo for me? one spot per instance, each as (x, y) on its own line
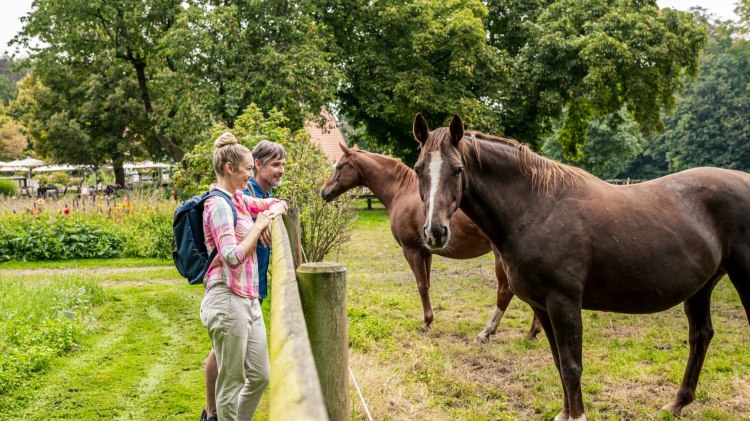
(8, 187)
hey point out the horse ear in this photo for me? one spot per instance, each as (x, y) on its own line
(344, 149)
(421, 131)
(456, 129)
(355, 147)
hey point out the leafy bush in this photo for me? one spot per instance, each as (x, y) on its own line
(131, 225)
(148, 234)
(42, 321)
(8, 187)
(53, 237)
(324, 226)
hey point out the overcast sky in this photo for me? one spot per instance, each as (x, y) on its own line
(12, 10)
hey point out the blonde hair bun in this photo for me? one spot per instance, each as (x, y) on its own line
(225, 139)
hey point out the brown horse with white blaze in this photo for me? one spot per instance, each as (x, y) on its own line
(570, 241)
(395, 185)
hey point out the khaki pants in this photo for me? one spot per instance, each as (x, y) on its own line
(235, 326)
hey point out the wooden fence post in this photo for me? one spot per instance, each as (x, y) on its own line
(291, 222)
(322, 288)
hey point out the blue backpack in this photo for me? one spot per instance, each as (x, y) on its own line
(190, 254)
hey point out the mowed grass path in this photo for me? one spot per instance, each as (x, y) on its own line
(146, 360)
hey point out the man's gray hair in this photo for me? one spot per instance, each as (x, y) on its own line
(266, 150)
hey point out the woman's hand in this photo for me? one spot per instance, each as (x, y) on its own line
(264, 220)
(276, 210)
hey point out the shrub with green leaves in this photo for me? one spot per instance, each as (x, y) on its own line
(58, 237)
(148, 233)
(324, 226)
(8, 187)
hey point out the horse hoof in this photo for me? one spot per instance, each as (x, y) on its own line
(673, 408)
(481, 339)
(424, 328)
(562, 416)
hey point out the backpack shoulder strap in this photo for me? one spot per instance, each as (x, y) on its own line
(219, 193)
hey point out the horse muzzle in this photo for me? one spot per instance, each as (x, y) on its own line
(326, 194)
(436, 236)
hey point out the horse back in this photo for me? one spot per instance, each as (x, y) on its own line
(640, 248)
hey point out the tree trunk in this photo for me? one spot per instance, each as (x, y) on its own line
(119, 173)
(176, 152)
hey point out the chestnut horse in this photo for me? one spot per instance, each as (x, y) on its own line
(395, 185)
(571, 241)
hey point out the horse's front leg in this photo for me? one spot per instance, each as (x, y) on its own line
(504, 295)
(543, 317)
(698, 311)
(565, 317)
(420, 262)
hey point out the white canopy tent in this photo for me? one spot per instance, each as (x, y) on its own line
(51, 168)
(27, 164)
(132, 168)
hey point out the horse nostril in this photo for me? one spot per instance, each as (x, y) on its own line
(445, 232)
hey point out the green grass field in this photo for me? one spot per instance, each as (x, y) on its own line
(144, 358)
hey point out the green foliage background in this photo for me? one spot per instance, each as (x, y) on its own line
(8, 188)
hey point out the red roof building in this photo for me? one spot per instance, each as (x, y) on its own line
(327, 139)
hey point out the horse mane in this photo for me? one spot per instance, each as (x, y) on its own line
(400, 170)
(547, 175)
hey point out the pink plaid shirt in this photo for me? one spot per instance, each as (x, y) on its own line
(231, 266)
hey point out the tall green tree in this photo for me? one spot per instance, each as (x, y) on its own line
(510, 67)
(9, 76)
(13, 143)
(710, 125)
(229, 54)
(585, 60)
(84, 114)
(400, 57)
(127, 31)
(613, 144)
(195, 62)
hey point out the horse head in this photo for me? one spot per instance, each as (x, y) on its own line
(439, 169)
(345, 176)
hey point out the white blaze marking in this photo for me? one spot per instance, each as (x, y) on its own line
(436, 161)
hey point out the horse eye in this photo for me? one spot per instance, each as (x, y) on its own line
(418, 169)
(457, 171)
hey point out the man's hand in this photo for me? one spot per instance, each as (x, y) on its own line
(265, 237)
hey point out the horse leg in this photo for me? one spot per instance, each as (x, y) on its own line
(420, 262)
(698, 311)
(565, 316)
(504, 295)
(534, 330)
(543, 318)
(741, 282)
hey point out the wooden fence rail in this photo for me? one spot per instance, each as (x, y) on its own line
(309, 333)
(294, 390)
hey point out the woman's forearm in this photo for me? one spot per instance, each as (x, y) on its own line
(249, 243)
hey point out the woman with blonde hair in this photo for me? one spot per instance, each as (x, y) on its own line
(230, 310)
